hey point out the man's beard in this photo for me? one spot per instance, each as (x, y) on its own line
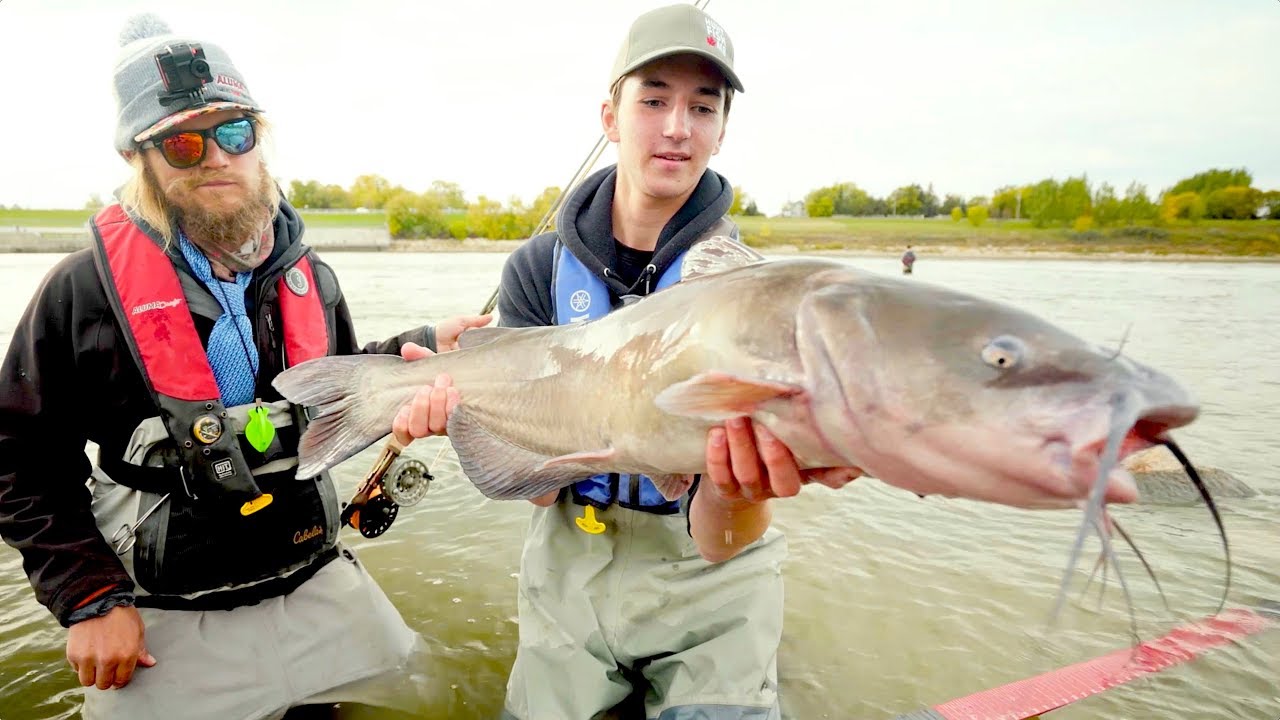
(234, 233)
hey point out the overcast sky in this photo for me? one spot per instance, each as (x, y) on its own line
(503, 97)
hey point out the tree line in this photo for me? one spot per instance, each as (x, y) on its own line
(442, 211)
(1213, 194)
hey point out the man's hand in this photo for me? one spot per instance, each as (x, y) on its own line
(414, 351)
(428, 412)
(746, 462)
(104, 651)
(746, 466)
(448, 331)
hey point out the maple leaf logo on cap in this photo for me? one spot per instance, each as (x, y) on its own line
(716, 37)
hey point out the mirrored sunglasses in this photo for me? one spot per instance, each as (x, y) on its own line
(187, 149)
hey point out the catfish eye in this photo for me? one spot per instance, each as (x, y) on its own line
(1004, 352)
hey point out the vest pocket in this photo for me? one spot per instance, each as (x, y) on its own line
(186, 547)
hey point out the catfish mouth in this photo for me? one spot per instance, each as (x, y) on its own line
(1156, 422)
(1149, 429)
(1130, 429)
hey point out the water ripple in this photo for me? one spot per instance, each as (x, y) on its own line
(893, 603)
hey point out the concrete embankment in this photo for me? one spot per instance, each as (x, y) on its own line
(64, 240)
(1162, 480)
(42, 240)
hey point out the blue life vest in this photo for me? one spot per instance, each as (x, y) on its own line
(579, 296)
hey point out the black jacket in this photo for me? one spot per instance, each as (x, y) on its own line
(68, 377)
(585, 225)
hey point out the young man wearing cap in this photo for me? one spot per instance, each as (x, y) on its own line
(622, 594)
(199, 578)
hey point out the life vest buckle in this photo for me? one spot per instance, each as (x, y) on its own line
(588, 522)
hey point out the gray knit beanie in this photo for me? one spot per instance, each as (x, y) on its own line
(138, 85)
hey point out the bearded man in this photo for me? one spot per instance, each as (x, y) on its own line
(198, 577)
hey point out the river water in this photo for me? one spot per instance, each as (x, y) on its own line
(893, 603)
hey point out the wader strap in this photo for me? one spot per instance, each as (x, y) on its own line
(155, 480)
(240, 597)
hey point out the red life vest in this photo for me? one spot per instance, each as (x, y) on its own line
(152, 310)
(170, 353)
(211, 535)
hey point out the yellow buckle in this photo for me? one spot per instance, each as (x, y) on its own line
(256, 504)
(588, 522)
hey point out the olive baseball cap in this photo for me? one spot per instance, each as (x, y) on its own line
(675, 30)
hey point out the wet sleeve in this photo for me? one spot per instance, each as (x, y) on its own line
(424, 336)
(99, 606)
(45, 509)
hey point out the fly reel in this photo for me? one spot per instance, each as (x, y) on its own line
(389, 484)
(374, 516)
(407, 482)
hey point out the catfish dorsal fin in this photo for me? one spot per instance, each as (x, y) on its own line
(716, 254)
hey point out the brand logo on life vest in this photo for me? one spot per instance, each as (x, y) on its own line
(304, 535)
(580, 300)
(207, 429)
(157, 305)
(224, 469)
(297, 281)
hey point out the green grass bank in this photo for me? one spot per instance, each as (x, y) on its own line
(1249, 239)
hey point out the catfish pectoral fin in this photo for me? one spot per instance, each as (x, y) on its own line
(719, 395)
(504, 471)
(590, 458)
(672, 487)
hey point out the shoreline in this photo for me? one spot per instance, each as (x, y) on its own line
(477, 245)
(327, 241)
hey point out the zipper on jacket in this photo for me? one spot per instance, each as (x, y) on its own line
(271, 326)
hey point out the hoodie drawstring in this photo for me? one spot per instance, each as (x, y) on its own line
(646, 276)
